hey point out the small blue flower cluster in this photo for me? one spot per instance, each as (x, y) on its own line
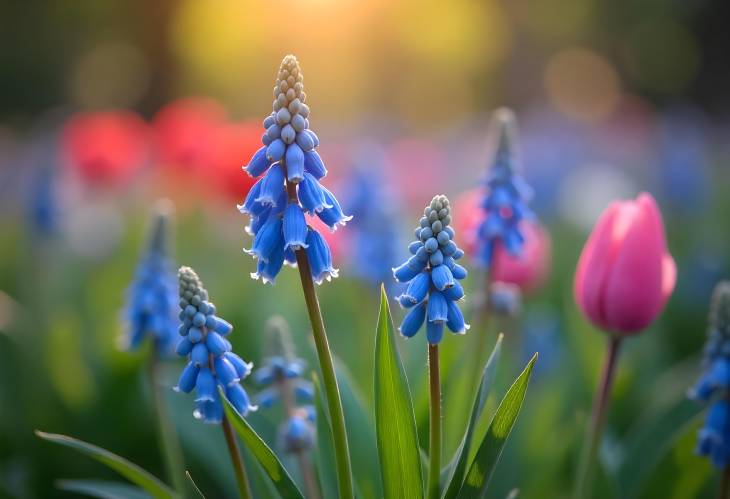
(506, 198)
(277, 203)
(152, 298)
(714, 385)
(433, 276)
(280, 374)
(374, 246)
(211, 362)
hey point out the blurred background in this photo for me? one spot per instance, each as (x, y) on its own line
(107, 106)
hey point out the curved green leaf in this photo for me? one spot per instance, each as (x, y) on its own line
(461, 457)
(193, 484)
(395, 423)
(129, 470)
(477, 479)
(102, 489)
(263, 454)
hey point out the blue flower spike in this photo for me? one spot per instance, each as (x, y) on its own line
(211, 363)
(433, 276)
(290, 186)
(507, 195)
(151, 310)
(280, 376)
(713, 387)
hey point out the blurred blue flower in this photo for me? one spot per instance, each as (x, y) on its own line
(290, 187)
(152, 298)
(506, 197)
(211, 363)
(714, 384)
(374, 245)
(43, 209)
(280, 375)
(433, 276)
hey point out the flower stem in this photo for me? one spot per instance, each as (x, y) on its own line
(169, 444)
(723, 492)
(329, 380)
(598, 416)
(434, 442)
(244, 489)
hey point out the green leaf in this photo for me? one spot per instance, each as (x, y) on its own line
(477, 479)
(263, 454)
(361, 435)
(461, 457)
(103, 489)
(129, 470)
(193, 484)
(324, 453)
(395, 423)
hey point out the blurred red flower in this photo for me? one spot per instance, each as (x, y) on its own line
(105, 147)
(230, 146)
(184, 130)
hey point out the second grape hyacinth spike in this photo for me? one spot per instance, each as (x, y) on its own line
(211, 363)
(433, 276)
(290, 187)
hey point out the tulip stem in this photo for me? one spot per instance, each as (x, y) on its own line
(244, 489)
(601, 400)
(169, 444)
(724, 491)
(326, 364)
(434, 442)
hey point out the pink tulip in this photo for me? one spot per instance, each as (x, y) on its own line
(625, 274)
(528, 270)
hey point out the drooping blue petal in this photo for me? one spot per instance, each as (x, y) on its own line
(434, 332)
(215, 343)
(205, 386)
(417, 289)
(199, 355)
(413, 320)
(311, 195)
(268, 239)
(239, 398)
(455, 320)
(332, 216)
(295, 227)
(275, 151)
(313, 164)
(243, 369)
(454, 293)
(225, 372)
(442, 277)
(294, 163)
(272, 186)
(437, 307)
(259, 163)
(320, 257)
(188, 377)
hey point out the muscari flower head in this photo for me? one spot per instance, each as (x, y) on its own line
(280, 376)
(374, 242)
(290, 187)
(211, 363)
(506, 197)
(433, 276)
(714, 385)
(152, 298)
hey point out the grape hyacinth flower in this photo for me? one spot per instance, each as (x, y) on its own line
(278, 204)
(211, 363)
(433, 276)
(290, 187)
(506, 197)
(152, 298)
(713, 440)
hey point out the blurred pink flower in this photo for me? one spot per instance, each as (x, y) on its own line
(625, 273)
(105, 147)
(529, 270)
(184, 130)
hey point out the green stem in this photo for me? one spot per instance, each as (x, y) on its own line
(244, 489)
(434, 442)
(723, 492)
(167, 436)
(329, 379)
(591, 444)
